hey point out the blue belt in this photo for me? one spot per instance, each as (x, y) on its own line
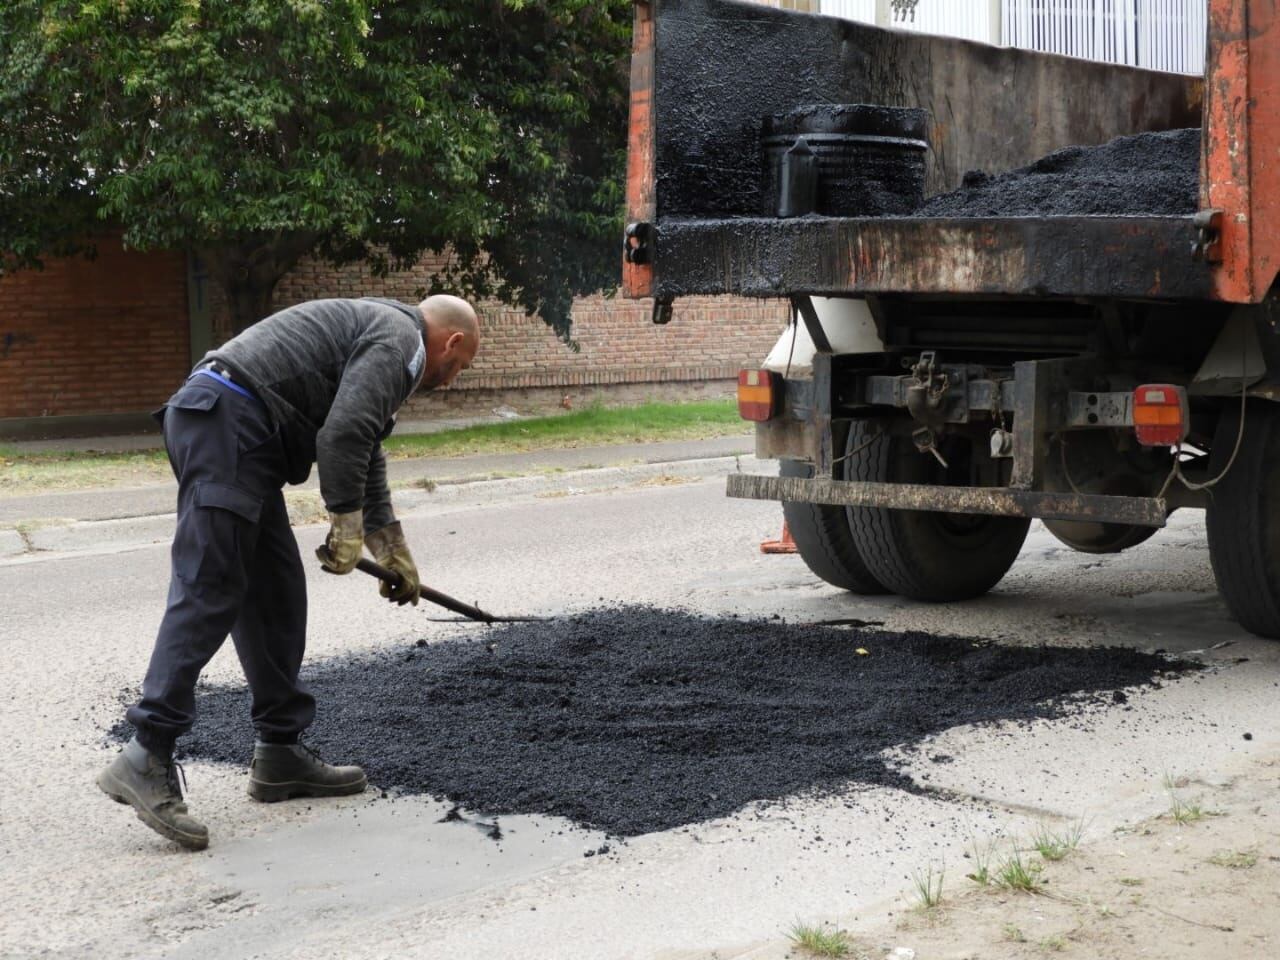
(206, 372)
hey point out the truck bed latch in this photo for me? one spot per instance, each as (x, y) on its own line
(1208, 243)
(925, 402)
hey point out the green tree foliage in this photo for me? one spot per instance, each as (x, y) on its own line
(259, 131)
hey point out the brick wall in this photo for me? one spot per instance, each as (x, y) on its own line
(93, 336)
(710, 339)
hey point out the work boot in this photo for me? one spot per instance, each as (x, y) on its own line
(283, 771)
(153, 786)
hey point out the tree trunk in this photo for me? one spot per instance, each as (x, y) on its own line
(249, 300)
(248, 273)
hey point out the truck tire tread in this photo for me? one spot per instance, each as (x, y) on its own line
(825, 542)
(902, 552)
(1243, 519)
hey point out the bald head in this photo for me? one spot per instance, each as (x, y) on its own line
(452, 337)
(453, 314)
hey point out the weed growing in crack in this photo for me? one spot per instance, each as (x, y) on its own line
(1181, 810)
(928, 886)
(981, 853)
(1235, 859)
(819, 941)
(1013, 934)
(1015, 873)
(1054, 845)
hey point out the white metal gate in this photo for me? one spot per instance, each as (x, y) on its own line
(863, 10)
(1159, 34)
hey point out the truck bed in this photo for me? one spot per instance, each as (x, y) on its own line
(706, 72)
(1116, 257)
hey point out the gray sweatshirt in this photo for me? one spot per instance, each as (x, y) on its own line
(333, 373)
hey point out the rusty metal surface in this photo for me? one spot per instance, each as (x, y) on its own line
(722, 66)
(967, 395)
(1122, 257)
(637, 278)
(1241, 169)
(1097, 409)
(786, 440)
(991, 501)
(1033, 391)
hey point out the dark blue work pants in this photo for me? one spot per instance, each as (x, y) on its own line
(236, 569)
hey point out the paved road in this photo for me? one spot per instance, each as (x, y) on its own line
(368, 878)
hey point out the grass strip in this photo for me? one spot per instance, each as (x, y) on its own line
(594, 426)
(79, 470)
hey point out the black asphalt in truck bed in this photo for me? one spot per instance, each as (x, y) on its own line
(1152, 174)
(635, 720)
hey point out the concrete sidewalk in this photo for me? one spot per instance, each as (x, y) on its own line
(48, 539)
(159, 499)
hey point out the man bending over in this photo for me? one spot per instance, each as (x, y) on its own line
(318, 383)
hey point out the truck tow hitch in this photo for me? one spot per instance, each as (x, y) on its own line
(925, 401)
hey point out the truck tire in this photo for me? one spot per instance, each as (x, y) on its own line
(824, 540)
(921, 554)
(1244, 518)
(1086, 536)
(1109, 472)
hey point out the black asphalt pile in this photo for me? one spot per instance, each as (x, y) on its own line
(1153, 174)
(634, 720)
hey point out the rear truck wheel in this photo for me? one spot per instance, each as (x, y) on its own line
(1086, 536)
(824, 540)
(1093, 463)
(1244, 517)
(921, 554)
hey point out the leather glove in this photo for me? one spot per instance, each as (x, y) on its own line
(342, 548)
(390, 550)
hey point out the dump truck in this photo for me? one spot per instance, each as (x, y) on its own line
(950, 376)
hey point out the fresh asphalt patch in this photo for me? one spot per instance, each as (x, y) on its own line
(634, 719)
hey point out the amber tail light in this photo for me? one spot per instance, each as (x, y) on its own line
(759, 395)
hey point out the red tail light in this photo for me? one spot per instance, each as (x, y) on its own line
(759, 395)
(1161, 417)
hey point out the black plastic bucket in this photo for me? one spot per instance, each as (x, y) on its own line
(845, 160)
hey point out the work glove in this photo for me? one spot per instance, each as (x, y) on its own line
(390, 550)
(341, 550)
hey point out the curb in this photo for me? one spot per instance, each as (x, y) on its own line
(95, 534)
(478, 493)
(55, 541)
(12, 544)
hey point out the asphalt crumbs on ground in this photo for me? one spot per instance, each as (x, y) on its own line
(634, 719)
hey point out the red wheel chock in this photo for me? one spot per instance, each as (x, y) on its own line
(785, 545)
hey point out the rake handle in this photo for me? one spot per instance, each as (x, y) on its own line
(427, 593)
